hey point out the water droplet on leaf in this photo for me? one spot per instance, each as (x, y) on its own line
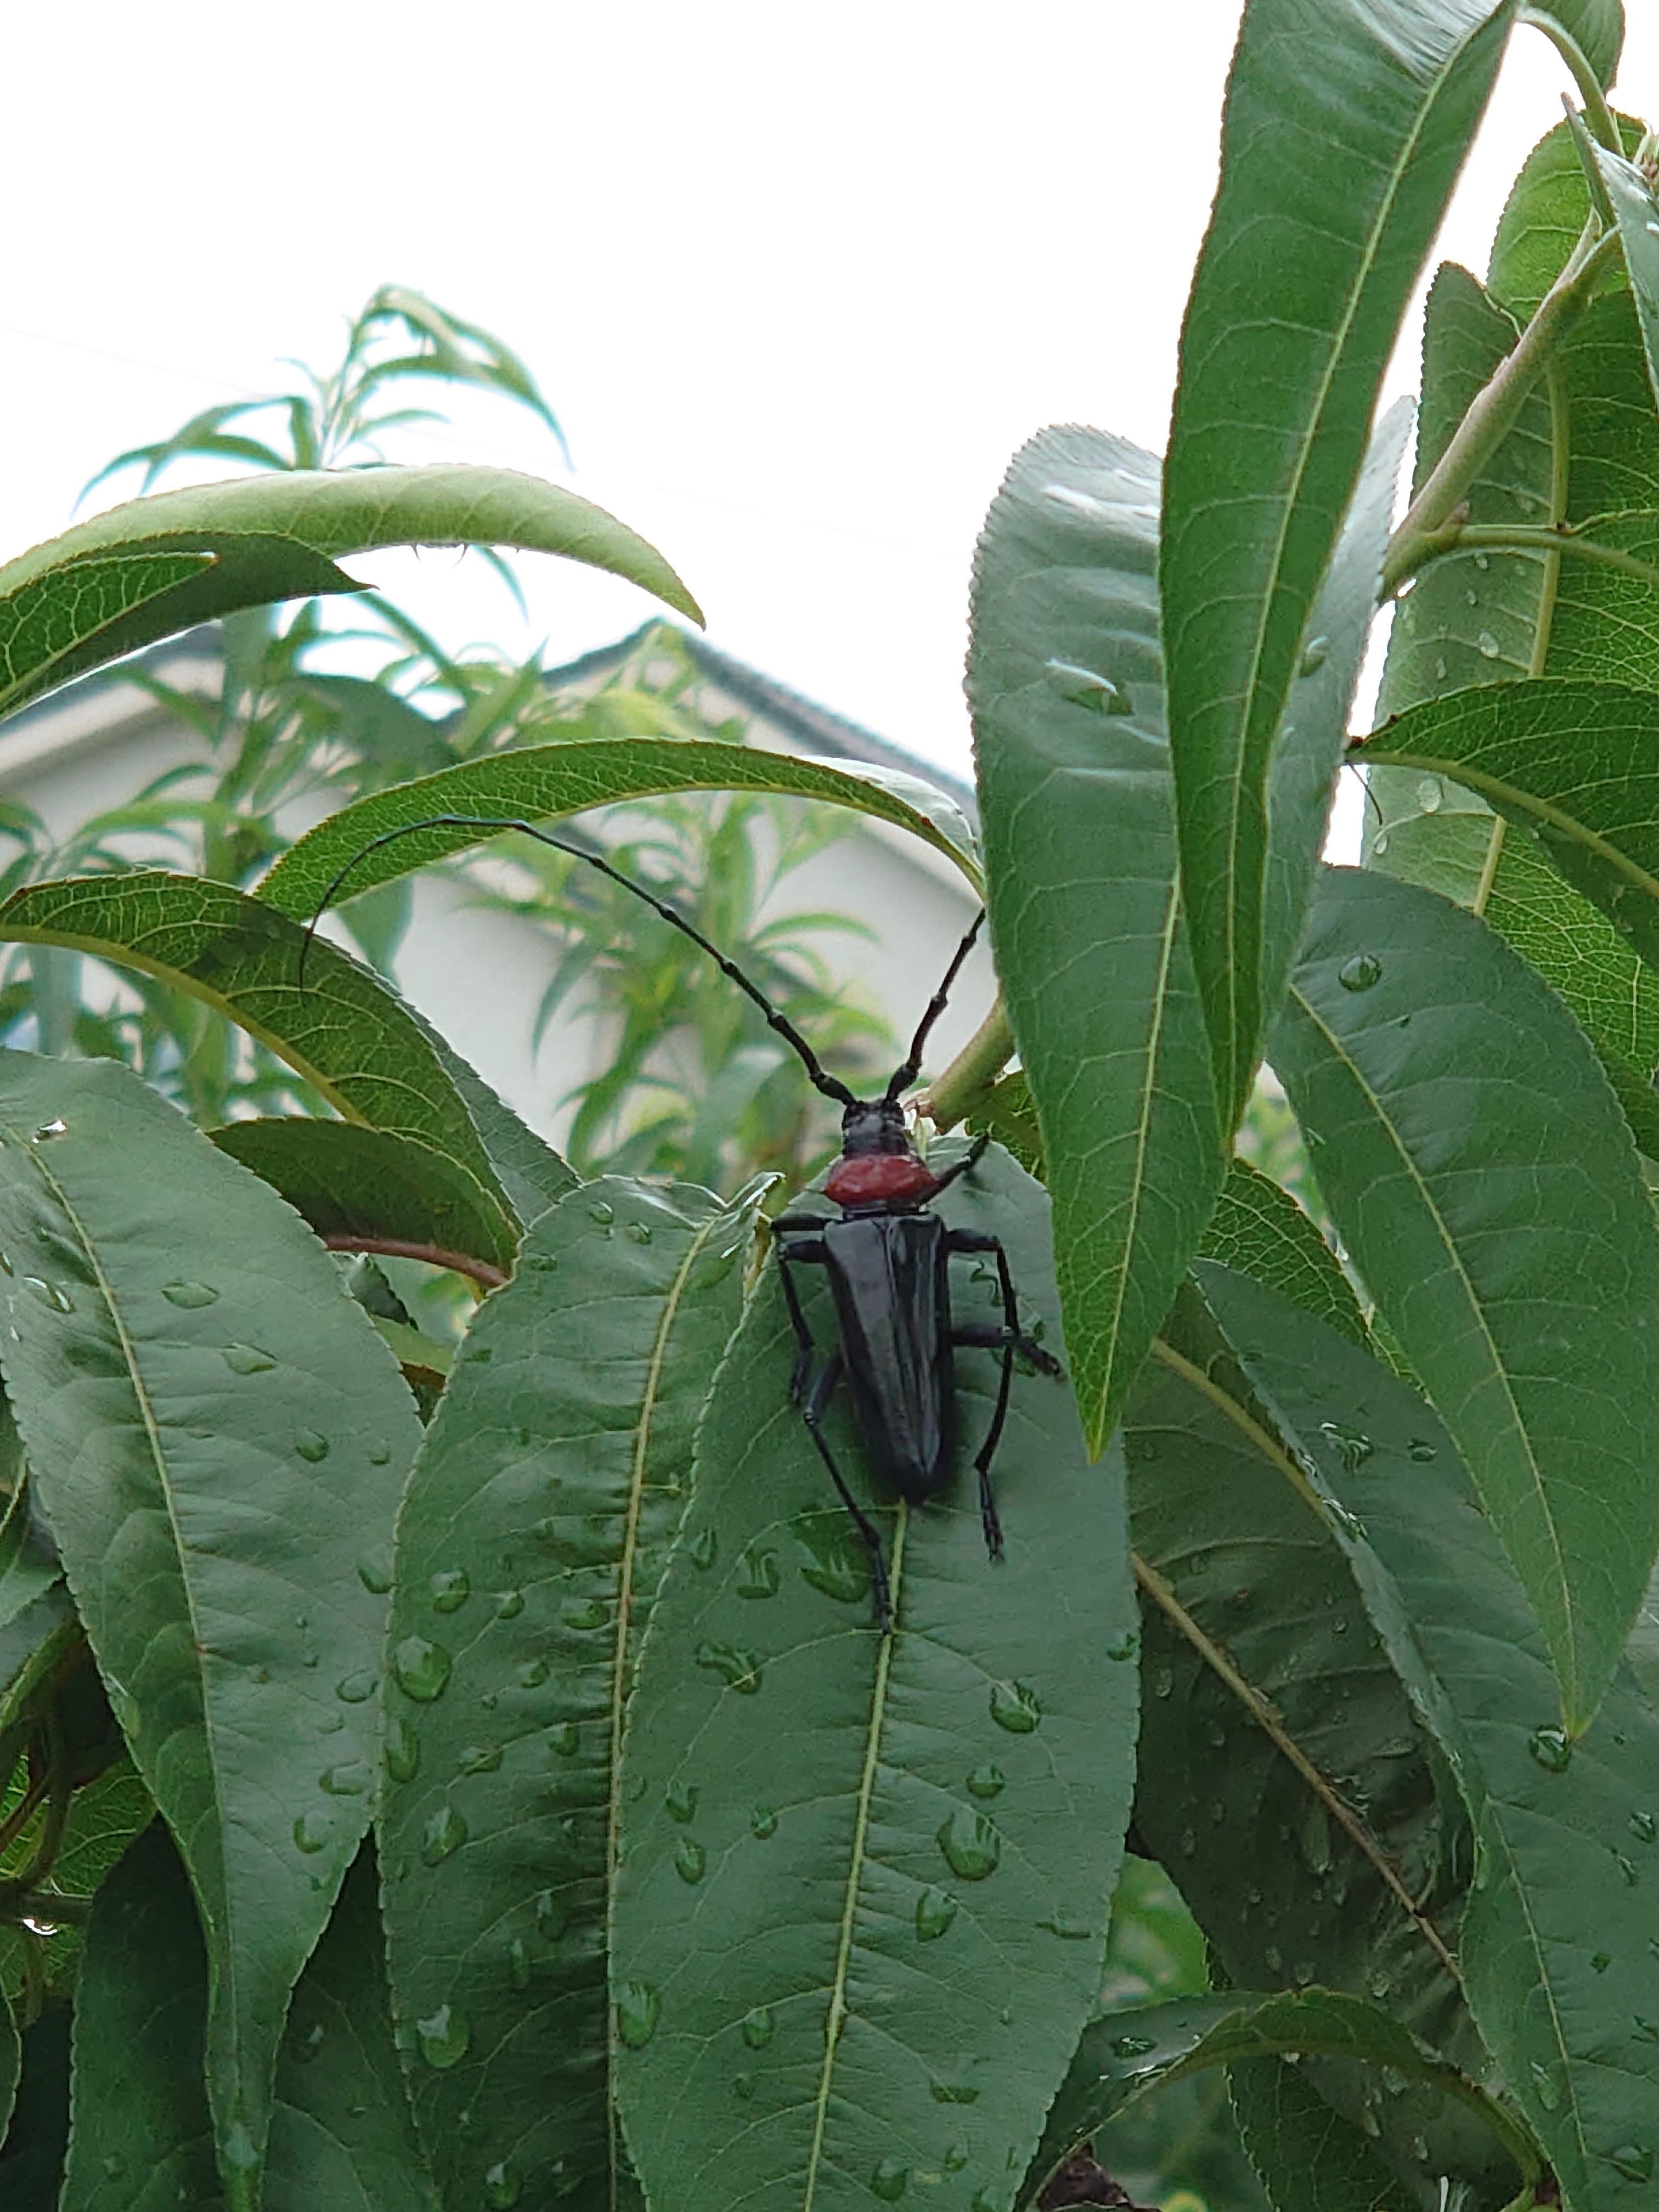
(509, 1604)
(986, 1780)
(350, 1780)
(703, 1547)
(1420, 1449)
(756, 2027)
(757, 1573)
(356, 1689)
(763, 1823)
(638, 2009)
(1014, 1706)
(531, 1675)
(1633, 2161)
(311, 1445)
(1552, 1747)
(442, 2037)
(451, 1587)
(1132, 2046)
(971, 1846)
(311, 1833)
(1360, 971)
(247, 1359)
(565, 1739)
(402, 1749)
(889, 2180)
(518, 1970)
(603, 1214)
(478, 1758)
(739, 1670)
(374, 1571)
(444, 1833)
(835, 1561)
(501, 2186)
(1313, 656)
(421, 1668)
(935, 1909)
(690, 1859)
(551, 1918)
(681, 1799)
(1487, 646)
(1645, 1826)
(1123, 1645)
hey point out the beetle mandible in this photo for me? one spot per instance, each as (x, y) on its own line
(886, 1254)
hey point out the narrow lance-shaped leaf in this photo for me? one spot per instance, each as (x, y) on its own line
(1260, 1228)
(529, 1550)
(1637, 212)
(1125, 2054)
(335, 1024)
(152, 567)
(1283, 1780)
(1066, 688)
(1484, 1180)
(541, 782)
(215, 1435)
(11, 2065)
(1562, 1922)
(1344, 128)
(865, 1880)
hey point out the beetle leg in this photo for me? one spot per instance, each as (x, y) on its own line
(812, 1414)
(969, 1159)
(810, 1252)
(1009, 1336)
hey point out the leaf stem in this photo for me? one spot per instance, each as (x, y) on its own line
(971, 1074)
(1597, 114)
(1493, 412)
(1528, 537)
(483, 1273)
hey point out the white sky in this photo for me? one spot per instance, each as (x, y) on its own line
(797, 281)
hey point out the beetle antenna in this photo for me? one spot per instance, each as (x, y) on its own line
(906, 1074)
(830, 1086)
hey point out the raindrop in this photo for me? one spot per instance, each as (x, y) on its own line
(988, 2199)
(681, 1799)
(189, 1295)
(1124, 1645)
(757, 1573)
(1164, 1682)
(1487, 646)
(351, 1779)
(835, 1564)
(444, 1833)
(986, 1780)
(1626, 1869)
(603, 1214)
(935, 1909)
(1440, 671)
(442, 2037)
(1420, 1449)
(1083, 687)
(1014, 1707)
(638, 2008)
(1215, 1735)
(1483, 561)
(379, 1452)
(584, 1614)
(1633, 2161)
(402, 1749)
(356, 1689)
(690, 1859)
(311, 1833)
(501, 2186)
(703, 1547)
(1314, 1838)
(1353, 1446)
(738, 1670)
(971, 1846)
(1548, 2087)
(956, 2158)
(451, 1587)
(1188, 1843)
(1070, 1926)
(532, 1674)
(1132, 2046)
(1645, 1826)
(247, 1359)
(640, 1232)
(1647, 2029)
(1313, 656)
(1600, 1962)
(763, 1823)
(889, 2180)
(56, 1127)
(742, 2085)
(311, 1445)
(374, 1571)
(550, 1916)
(1552, 1747)
(1360, 972)
(565, 1739)
(1430, 792)
(580, 1539)
(756, 2027)
(519, 1971)
(478, 1758)
(421, 1668)
(240, 2151)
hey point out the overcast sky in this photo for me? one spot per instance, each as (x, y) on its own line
(797, 281)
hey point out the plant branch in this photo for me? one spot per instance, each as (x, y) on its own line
(1494, 410)
(971, 1074)
(483, 1273)
(1526, 537)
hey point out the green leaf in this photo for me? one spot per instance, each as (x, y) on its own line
(216, 1438)
(530, 1547)
(33, 1645)
(540, 782)
(1574, 766)
(365, 1189)
(531, 1174)
(1127, 2054)
(1484, 1180)
(1065, 684)
(865, 1880)
(1559, 1932)
(345, 1033)
(152, 567)
(11, 2066)
(32, 2161)
(1547, 208)
(1258, 1228)
(1308, 2159)
(27, 1569)
(1308, 751)
(1281, 1769)
(1338, 155)
(1597, 29)
(1612, 993)
(1637, 211)
(341, 2138)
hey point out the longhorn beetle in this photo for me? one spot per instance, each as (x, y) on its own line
(887, 1255)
